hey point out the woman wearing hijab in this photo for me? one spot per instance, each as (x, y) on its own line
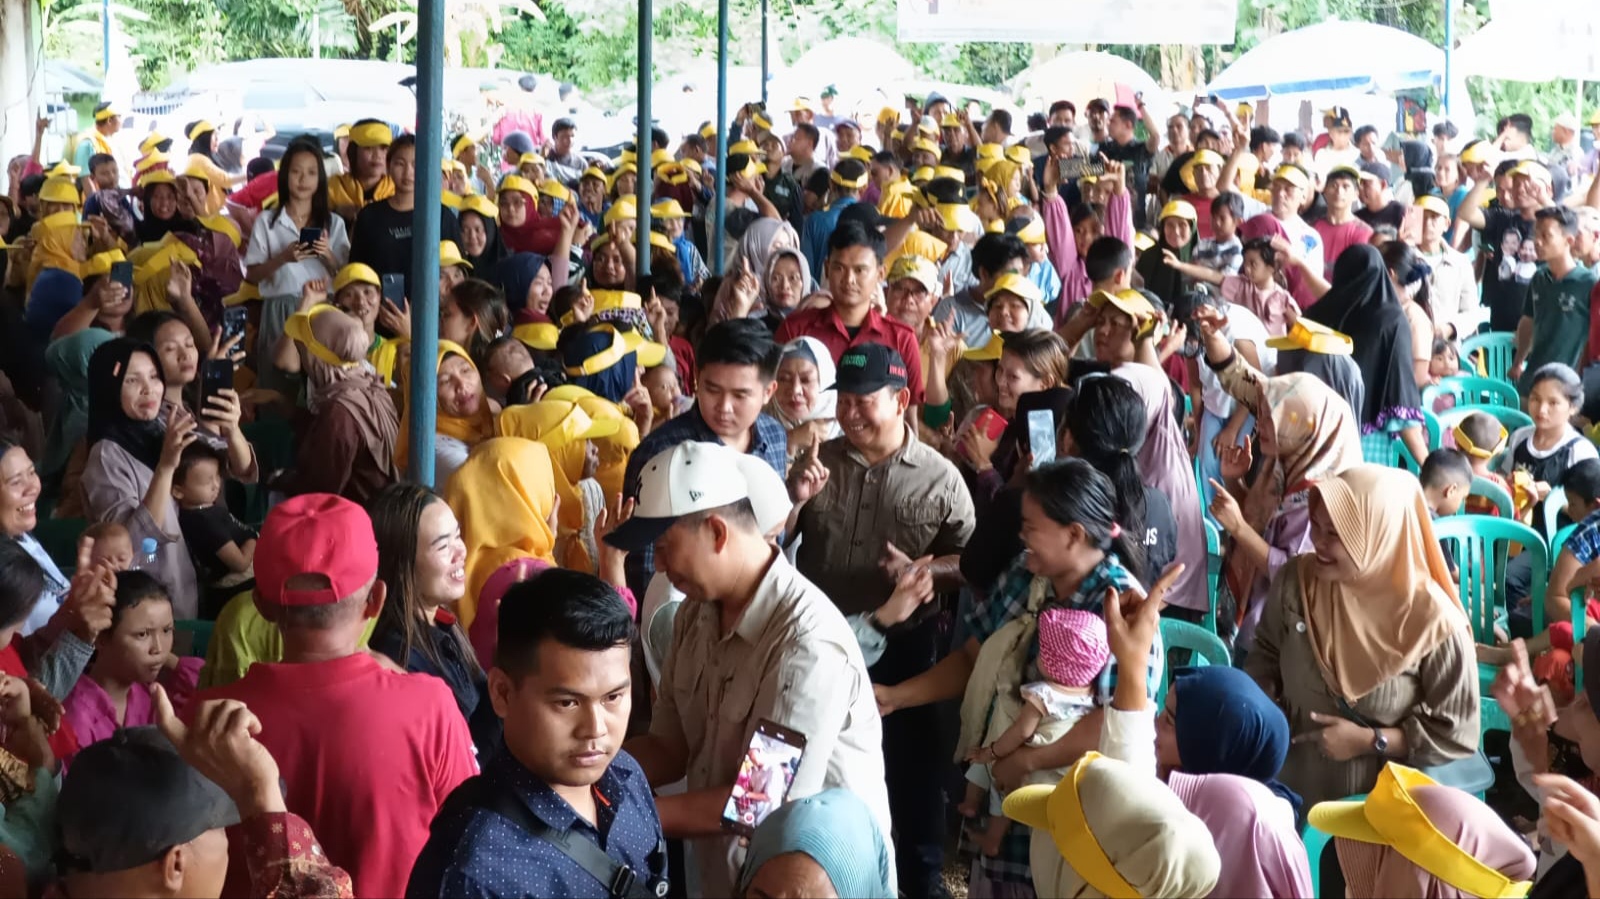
(568, 432)
(465, 417)
(505, 498)
(162, 214)
(756, 247)
(133, 456)
(1312, 436)
(478, 219)
(1178, 226)
(528, 281)
(1362, 303)
(348, 446)
(1411, 836)
(826, 845)
(1363, 642)
(786, 283)
(805, 399)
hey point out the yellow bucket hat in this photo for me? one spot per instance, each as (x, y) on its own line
(1013, 283)
(358, 273)
(624, 209)
(1390, 816)
(298, 329)
(450, 254)
(148, 145)
(371, 134)
(1318, 338)
(59, 190)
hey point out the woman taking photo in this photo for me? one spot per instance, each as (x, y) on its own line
(1363, 643)
(173, 341)
(422, 560)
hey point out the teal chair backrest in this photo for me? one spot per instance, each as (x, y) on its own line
(1213, 572)
(1580, 618)
(1205, 648)
(1555, 508)
(1507, 416)
(1497, 350)
(1393, 454)
(1481, 545)
(1495, 493)
(1470, 390)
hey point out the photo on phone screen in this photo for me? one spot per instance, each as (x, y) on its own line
(217, 378)
(122, 273)
(1042, 436)
(233, 321)
(1077, 167)
(765, 775)
(394, 290)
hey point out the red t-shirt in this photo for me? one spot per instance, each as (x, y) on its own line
(63, 743)
(824, 325)
(367, 755)
(1338, 238)
(256, 191)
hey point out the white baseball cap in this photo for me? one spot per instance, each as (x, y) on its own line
(695, 477)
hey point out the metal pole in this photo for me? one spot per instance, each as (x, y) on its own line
(105, 38)
(1449, 56)
(764, 62)
(720, 220)
(646, 150)
(423, 397)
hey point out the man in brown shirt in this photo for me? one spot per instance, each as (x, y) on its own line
(886, 499)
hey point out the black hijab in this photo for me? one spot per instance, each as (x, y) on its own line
(1363, 304)
(493, 249)
(153, 230)
(107, 420)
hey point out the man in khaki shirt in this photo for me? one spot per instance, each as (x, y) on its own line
(753, 640)
(880, 500)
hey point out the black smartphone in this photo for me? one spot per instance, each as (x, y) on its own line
(309, 236)
(1077, 167)
(394, 290)
(233, 321)
(217, 377)
(122, 273)
(764, 778)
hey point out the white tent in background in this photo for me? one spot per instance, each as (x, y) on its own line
(1331, 56)
(1568, 49)
(1081, 76)
(854, 65)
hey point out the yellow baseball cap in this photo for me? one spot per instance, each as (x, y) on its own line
(1020, 285)
(199, 128)
(1130, 301)
(991, 151)
(989, 352)
(554, 189)
(594, 172)
(100, 263)
(1293, 174)
(858, 151)
(800, 104)
(59, 190)
(359, 273)
(1182, 209)
(889, 114)
(538, 335)
(1532, 169)
(923, 145)
(482, 205)
(763, 122)
(668, 209)
(1395, 814)
(624, 209)
(949, 171)
(950, 120)
(922, 175)
(1433, 204)
(519, 184)
(960, 218)
(151, 160)
(371, 134)
(917, 269)
(158, 176)
(450, 254)
(624, 169)
(1020, 154)
(747, 147)
(1480, 152)
(64, 169)
(1207, 157)
(150, 142)
(660, 241)
(1306, 334)
(1033, 233)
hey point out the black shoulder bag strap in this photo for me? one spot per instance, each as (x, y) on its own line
(622, 881)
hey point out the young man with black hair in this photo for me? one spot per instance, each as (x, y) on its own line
(854, 272)
(845, 184)
(1122, 145)
(1515, 137)
(559, 810)
(105, 198)
(802, 152)
(737, 367)
(1378, 205)
(1555, 323)
(1341, 229)
(1507, 237)
(753, 641)
(561, 156)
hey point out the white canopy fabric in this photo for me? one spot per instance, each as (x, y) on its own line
(1081, 76)
(1331, 56)
(1574, 55)
(853, 65)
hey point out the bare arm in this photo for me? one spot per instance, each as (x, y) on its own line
(687, 816)
(1019, 732)
(1470, 212)
(1524, 343)
(946, 680)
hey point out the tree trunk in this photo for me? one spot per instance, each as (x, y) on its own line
(21, 76)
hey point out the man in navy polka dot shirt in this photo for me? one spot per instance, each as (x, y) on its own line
(561, 683)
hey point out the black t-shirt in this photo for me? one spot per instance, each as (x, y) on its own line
(207, 531)
(1136, 156)
(1508, 266)
(382, 239)
(1391, 215)
(1160, 534)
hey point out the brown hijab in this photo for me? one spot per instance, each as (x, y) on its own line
(1316, 438)
(1398, 607)
(338, 336)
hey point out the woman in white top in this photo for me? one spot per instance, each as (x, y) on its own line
(277, 261)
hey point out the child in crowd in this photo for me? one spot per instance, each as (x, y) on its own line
(666, 398)
(505, 360)
(1479, 437)
(112, 543)
(1222, 252)
(135, 652)
(222, 548)
(1256, 288)
(1446, 482)
(1445, 363)
(672, 218)
(1072, 652)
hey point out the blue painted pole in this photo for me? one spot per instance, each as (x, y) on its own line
(645, 148)
(765, 63)
(1449, 55)
(105, 38)
(423, 397)
(720, 221)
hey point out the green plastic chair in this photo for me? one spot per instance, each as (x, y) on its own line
(1482, 544)
(1473, 391)
(1395, 454)
(1497, 349)
(1580, 618)
(1316, 843)
(1510, 418)
(1213, 571)
(1496, 494)
(1205, 648)
(59, 537)
(200, 634)
(1555, 509)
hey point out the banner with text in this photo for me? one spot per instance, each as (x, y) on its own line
(1069, 21)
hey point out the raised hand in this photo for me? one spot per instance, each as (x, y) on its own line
(912, 590)
(809, 475)
(1225, 509)
(221, 744)
(1235, 460)
(180, 283)
(1133, 617)
(313, 293)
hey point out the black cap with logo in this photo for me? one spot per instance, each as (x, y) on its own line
(868, 368)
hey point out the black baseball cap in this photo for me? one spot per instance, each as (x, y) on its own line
(1337, 117)
(868, 368)
(1375, 170)
(129, 798)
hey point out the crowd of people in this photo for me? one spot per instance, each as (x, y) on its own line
(881, 531)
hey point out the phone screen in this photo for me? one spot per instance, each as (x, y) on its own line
(1076, 167)
(764, 777)
(1042, 436)
(122, 273)
(218, 377)
(394, 290)
(310, 236)
(233, 321)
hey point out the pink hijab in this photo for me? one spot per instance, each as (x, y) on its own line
(485, 631)
(1248, 822)
(1374, 870)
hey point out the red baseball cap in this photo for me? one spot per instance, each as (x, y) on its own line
(317, 533)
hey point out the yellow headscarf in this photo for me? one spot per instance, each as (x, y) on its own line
(566, 430)
(345, 190)
(471, 430)
(53, 238)
(614, 450)
(502, 495)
